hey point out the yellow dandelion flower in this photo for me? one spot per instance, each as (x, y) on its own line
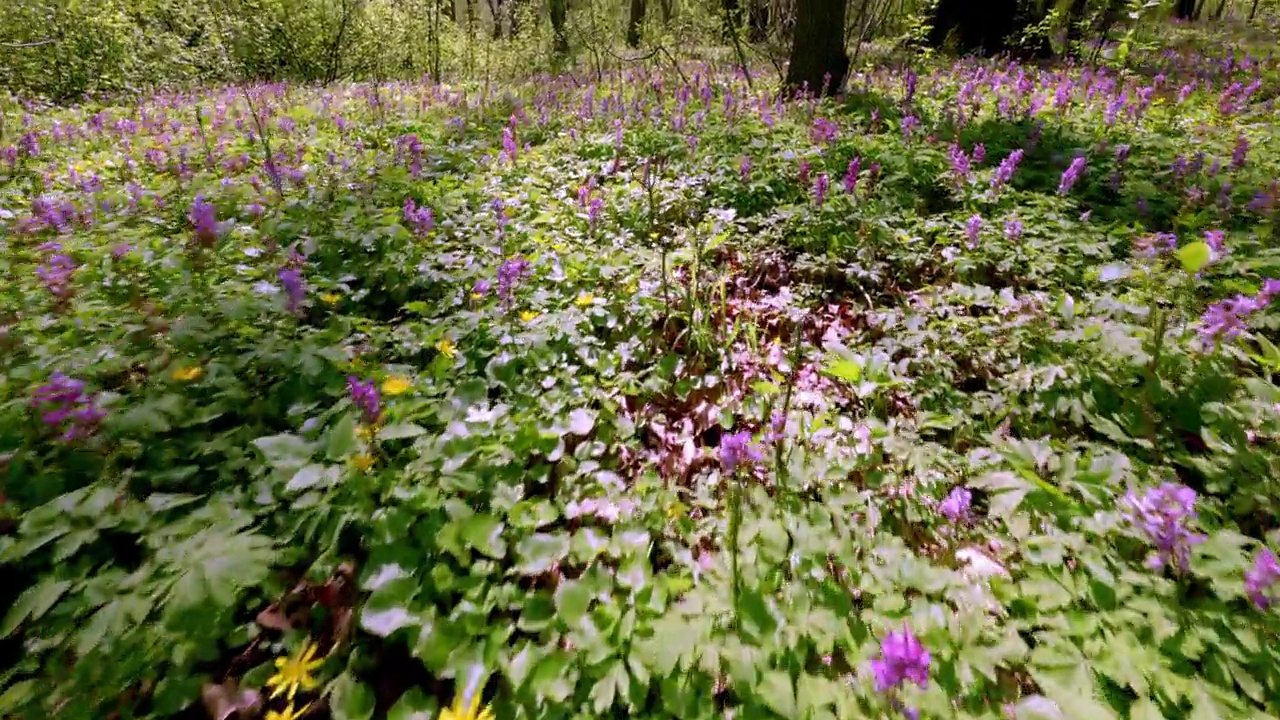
(289, 713)
(396, 385)
(471, 711)
(364, 432)
(584, 299)
(187, 374)
(294, 673)
(558, 247)
(447, 348)
(477, 296)
(632, 287)
(528, 315)
(330, 298)
(363, 461)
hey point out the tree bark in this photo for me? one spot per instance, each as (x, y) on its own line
(758, 21)
(729, 21)
(634, 22)
(1075, 26)
(665, 6)
(1253, 10)
(1185, 9)
(987, 26)
(559, 12)
(818, 58)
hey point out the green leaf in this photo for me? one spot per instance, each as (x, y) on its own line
(776, 692)
(17, 695)
(308, 476)
(33, 603)
(413, 705)
(572, 598)
(539, 552)
(342, 438)
(1194, 256)
(844, 369)
(401, 431)
(484, 533)
(1145, 709)
(581, 421)
(614, 683)
(350, 699)
(285, 450)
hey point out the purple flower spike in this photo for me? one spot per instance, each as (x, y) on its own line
(364, 395)
(1260, 580)
(295, 288)
(1006, 169)
(820, 186)
(972, 227)
(736, 449)
(509, 274)
(956, 507)
(420, 219)
(1071, 176)
(66, 407)
(1162, 515)
(203, 217)
(902, 658)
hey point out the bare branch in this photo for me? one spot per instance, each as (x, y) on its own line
(34, 43)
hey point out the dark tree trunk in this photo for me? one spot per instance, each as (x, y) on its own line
(991, 27)
(818, 59)
(665, 7)
(758, 20)
(1185, 9)
(1199, 10)
(729, 21)
(634, 21)
(1253, 10)
(1075, 25)
(559, 12)
(495, 11)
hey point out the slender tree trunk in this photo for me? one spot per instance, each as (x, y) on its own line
(666, 8)
(1253, 10)
(730, 19)
(1075, 26)
(559, 12)
(818, 59)
(1185, 9)
(634, 22)
(758, 21)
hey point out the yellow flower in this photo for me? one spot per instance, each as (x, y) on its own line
(632, 287)
(364, 432)
(584, 299)
(396, 385)
(477, 296)
(528, 315)
(293, 673)
(288, 713)
(187, 374)
(362, 461)
(330, 298)
(473, 711)
(447, 348)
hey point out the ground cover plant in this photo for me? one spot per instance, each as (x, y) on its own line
(656, 394)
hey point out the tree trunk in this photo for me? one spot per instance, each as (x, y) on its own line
(634, 22)
(1075, 26)
(729, 21)
(818, 59)
(1185, 9)
(1253, 10)
(758, 21)
(987, 26)
(665, 6)
(559, 12)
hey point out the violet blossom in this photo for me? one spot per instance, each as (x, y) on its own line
(67, 407)
(736, 449)
(1071, 175)
(902, 658)
(1260, 580)
(956, 505)
(364, 395)
(1162, 514)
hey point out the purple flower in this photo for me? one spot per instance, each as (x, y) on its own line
(959, 162)
(851, 175)
(1240, 153)
(421, 219)
(203, 217)
(972, 227)
(509, 145)
(56, 273)
(902, 658)
(29, 145)
(820, 186)
(1071, 176)
(804, 172)
(956, 505)
(1013, 228)
(737, 448)
(777, 426)
(593, 211)
(979, 153)
(1006, 169)
(1162, 515)
(67, 407)
(1150, 246)
(481, 288)
(824, 131)
(909, 123)
(1260, 579)
(1225, 319)
(744, 168)
(1215, 239)
(295, 288)
(364, 395)
(509, 273)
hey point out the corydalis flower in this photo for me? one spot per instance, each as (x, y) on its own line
(203, 217)
(1071, 176)
(1013, 228)
(67, 407)
(902, 658)
(1162, 515)
(421, 219)
(1006, 169)
(295, 288)
(1225, 319)
(956, 506)
(959, 162)
(744, 168)
(820, 186)
(972, 227)
(509, 273)
(736, 449)
(56, 273)
(851, 175)
(364, 395)
(1260, 580)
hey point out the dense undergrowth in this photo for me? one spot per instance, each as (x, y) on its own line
(652, 397)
